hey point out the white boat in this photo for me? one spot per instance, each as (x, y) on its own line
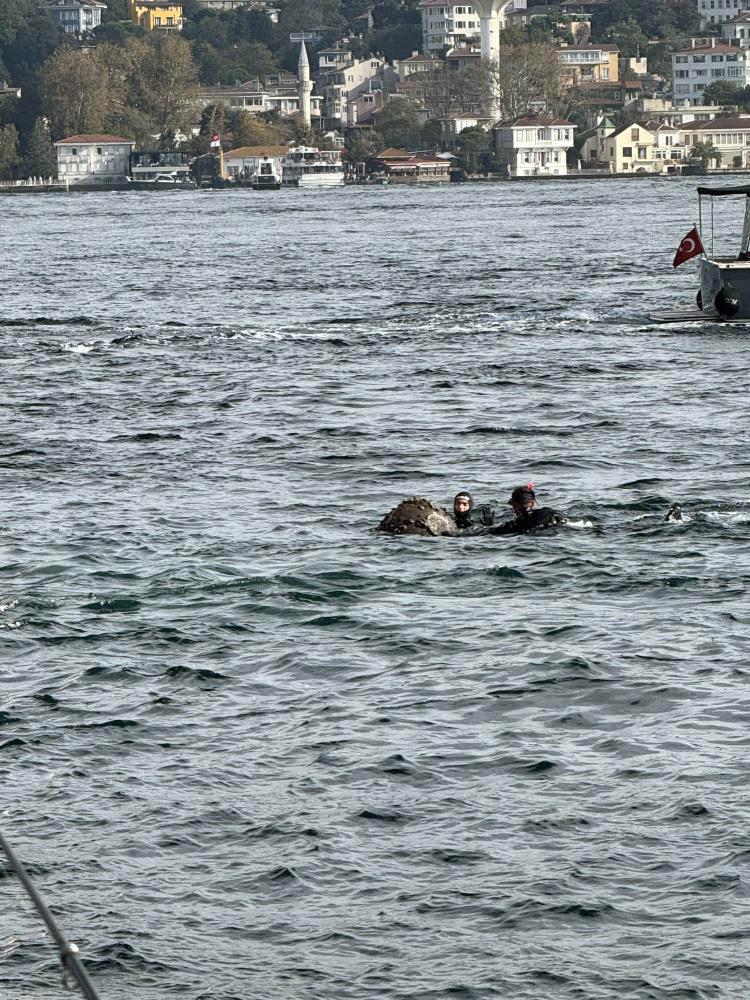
(307, 166)
(266, 175)
(725, 280)
(157, 169)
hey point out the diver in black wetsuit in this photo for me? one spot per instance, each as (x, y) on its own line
(469, 519)
(523, 501)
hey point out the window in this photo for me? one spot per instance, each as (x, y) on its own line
(74, 151)
(634, 135)
(699, 59)
(98, 150)
(627, 151)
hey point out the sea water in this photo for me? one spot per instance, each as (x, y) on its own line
(250, 748)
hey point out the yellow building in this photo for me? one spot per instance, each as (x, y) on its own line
(626, 150)
(589, 63)
(156, 15)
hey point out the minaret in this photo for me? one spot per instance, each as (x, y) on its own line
(305, 85)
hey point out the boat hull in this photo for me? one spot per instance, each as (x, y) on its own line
(316, 180)
(725, 288)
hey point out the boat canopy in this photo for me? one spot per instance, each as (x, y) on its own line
(718, 192)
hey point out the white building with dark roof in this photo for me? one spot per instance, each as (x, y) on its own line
(695, 68)
(730, 134)
(534, 145)
(76, 17)
(94, 159)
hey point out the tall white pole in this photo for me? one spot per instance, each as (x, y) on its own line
(305, 86)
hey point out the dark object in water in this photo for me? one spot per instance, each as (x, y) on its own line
(674, 513)
(418, 516)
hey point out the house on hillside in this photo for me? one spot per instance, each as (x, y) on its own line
(156, 15)
(93, 159)
(76, 17)
(695, 67)
(533, 145)
(737, 31)
(589, 63)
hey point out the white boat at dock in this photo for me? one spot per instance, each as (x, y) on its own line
(307, 166)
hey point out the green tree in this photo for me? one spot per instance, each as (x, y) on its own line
(361, 146)
(471, 144)
(9, 151)
(396, 41)
(40, 159)
(164, 80)
(302, 15)
(628, 37)
(705, 152)
(399, 124)
(723, 92)
(76, 94)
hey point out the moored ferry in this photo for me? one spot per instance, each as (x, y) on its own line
(307, 166)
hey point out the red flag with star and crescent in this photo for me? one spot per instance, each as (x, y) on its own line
(690, 246)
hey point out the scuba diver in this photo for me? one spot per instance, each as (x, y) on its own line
(528, 516)
(469, 519)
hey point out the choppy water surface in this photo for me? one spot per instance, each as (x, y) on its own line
(251, 749)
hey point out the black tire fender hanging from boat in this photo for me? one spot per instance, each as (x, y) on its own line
(727, 301)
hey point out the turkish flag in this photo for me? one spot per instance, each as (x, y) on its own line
(691, 246)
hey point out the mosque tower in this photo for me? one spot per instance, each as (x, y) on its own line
(491, 19)
(305, 85)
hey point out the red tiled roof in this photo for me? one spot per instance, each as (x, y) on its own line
(100, 140)
(703, 49)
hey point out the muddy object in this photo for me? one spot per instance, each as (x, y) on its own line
(418, 516)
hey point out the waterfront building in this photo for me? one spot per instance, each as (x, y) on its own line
(156, 15)
(730, 134)
(533, 145)
(247, 161)
(93, 159)
(589, 63)
(76, 17)
(737, 31)
(695, 67)
(403, 167)
(625, 150)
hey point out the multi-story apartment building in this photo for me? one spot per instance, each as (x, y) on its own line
(589, 63)
(718, 11)
(446, 25)
(695, 68)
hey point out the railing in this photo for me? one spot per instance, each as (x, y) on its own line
(35, 183)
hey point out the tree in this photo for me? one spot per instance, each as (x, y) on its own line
(164, 80)
(398, 123)
(524, 76)
(301, 15)
(628, 37)
(76, 95)
(40, 159)
(470, 145)
(9, 151)
(250, 131)
(705, 152)
(723, 92)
